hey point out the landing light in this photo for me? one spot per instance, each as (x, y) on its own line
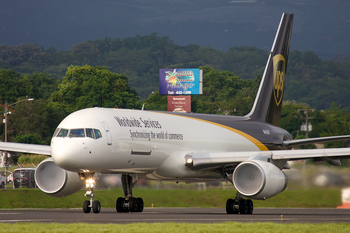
(90, 183)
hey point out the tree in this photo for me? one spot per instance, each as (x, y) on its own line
(223, 93)
(29, 138)
(11, 88)
(24, 54)
(41, 85)
(86, 86)
(291, 117)
(335, 121)
(85, 52)
(39, 117)
(156, 102)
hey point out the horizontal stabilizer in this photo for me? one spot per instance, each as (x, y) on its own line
(305, 141)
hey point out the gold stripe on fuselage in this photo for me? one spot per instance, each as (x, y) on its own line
(256, 142)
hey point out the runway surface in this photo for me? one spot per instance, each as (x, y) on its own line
(189, 215)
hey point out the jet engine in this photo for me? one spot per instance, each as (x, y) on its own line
(55, 181)
(259, 179)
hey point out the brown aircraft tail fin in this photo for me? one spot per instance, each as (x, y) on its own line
(268, 102)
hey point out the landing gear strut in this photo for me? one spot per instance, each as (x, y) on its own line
(128, 203)
(90, 182)
(239, 205)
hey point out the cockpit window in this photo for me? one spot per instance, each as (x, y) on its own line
(56, 132)
(63, 133)
(90, 133)
(97, 133)
(77, 133)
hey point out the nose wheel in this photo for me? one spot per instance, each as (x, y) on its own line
(96, 207)
(86, 207)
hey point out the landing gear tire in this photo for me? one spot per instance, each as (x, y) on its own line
(119, 206)
(140, 204)
(243, 207)
(86, 207)
(232, 206)
(250, 206)
(229, 206)
(96, 207)
(133, 205)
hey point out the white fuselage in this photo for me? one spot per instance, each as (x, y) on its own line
(150, 144)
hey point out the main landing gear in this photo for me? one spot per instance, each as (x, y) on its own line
(239, 205)
(90, 182)
(128, 203)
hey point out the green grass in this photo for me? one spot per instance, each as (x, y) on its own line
(34, 198)
(313, 197)
(174, 227)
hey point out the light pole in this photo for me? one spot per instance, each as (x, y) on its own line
(5, 115)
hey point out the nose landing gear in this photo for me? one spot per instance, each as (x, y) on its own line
(90, 182)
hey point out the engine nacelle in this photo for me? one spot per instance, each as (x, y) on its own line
(55, 181)
(259, 179)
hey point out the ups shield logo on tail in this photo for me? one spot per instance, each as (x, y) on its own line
(279, 68)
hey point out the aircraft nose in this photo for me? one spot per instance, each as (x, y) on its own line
(65, 153)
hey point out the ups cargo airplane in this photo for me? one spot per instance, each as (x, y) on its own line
(249, 151)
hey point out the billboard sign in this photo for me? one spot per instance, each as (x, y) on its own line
(180, 81)
(179, 103)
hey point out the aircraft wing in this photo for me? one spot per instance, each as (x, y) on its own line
(25, 148)
(304, 141)
(198, 161)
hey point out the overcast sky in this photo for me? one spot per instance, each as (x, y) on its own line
(318, 25)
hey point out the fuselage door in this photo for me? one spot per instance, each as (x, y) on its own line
(108, 133)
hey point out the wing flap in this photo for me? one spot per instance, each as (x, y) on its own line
(198, 161)
(25, 148)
